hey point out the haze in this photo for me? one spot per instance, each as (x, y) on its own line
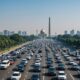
(32, 15)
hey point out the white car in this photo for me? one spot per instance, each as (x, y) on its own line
(62, 75)
(37, 63)
(5, 64)
(28, 57)
(31, 54)
(16, 75)
(25, 60)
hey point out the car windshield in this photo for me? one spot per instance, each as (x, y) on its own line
(15, 74)
(61, 73)
(3, 62)
(35, 76)
(51, 69)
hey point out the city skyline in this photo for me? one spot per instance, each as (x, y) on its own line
(32, 15)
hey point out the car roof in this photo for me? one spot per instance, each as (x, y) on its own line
(61, 72)
(5, 60)
(16, 72)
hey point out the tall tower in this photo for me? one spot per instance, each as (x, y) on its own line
(49, 30)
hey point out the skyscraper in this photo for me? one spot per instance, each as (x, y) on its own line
(49, 30)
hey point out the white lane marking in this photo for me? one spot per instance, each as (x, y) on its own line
(43, 78)
(71, 76)
(44, 68)
(68, 71)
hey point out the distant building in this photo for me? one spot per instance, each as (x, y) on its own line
(72, 33)
(24, 33)
(20, 32)
(6, 32)
(11, 33)
(65, 32)
(42, 34)
(78, 33)
(1, 33)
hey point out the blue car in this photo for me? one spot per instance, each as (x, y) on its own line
(20, 68)
(35, 77)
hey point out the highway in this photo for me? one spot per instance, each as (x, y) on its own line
(52, 49)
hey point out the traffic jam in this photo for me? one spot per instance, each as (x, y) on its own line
(42, 59)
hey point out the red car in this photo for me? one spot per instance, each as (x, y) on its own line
(11, 62)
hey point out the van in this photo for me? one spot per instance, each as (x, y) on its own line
(5, 64)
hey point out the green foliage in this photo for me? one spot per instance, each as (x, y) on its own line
(71, 40)
(9, 41)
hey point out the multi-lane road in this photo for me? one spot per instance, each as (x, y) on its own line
(47, 47)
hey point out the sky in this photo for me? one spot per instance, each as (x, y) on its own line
(32, 15)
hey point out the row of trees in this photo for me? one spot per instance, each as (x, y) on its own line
(9, 41)
(70, 40)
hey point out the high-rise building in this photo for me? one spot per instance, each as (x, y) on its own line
(72, 33)
(78, 33)
(6, 32)
(49, 30)
(22, 33)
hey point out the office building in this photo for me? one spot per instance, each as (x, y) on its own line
(72, 33)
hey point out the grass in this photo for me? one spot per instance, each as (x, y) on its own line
(13, 48)
(10, 49)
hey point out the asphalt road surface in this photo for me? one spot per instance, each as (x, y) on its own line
(42, 44)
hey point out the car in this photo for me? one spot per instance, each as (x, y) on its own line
(51, 71)
(14, 58)
(22, 63)
(25, 61)
(49, 63)
(35, 77)
(21, 68)
(78, 58)
(40, 51)
(38, 58)
(28, 57)
(16, 75)
(37, 63)
(18, 55)
(4, 64)
(37, 69)
(61, 66)
(58, 61)
(61, 75)
(75, 66)
(15, 68)
(31, 54)
(11, 61)
(71, 62)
